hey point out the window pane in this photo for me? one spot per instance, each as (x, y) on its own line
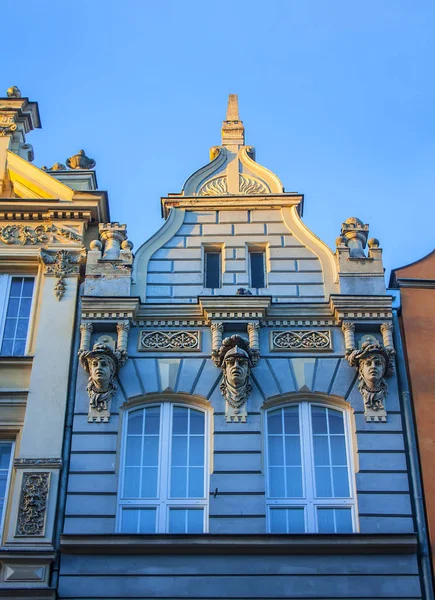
(334, 520)
(325, 520)
(196, 451)
(195, 521)
(343, 520)
(276, 451)
(25, 305)
(28, 287)
(147, 520)
(152, 420)
(5, 455)
(19, 347)
(321, 450)
(133, 452)
(10, 327)
(150, 451)
(292, 450)
(16, 287)
(257, 269)
(341, 483)
(277, 482)
(336, 424)
(278, 520)
(178, 482)
(287, 520)
(291, 420)
(179, 451)
(3, 481)
(323, 482)
(318, 417)
(135, 422)
(131, 482)
(180, 420)
(212, 269)
(197, 420)
(149, 482)
(196, 482)
(338, 450)
(13, 306)
(294, 482)
(7, 347)
(274, 421)
(130, 521)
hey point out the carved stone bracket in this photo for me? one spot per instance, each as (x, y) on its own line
(348, 329)
(33, 504)
(62, 264)
(254, 341)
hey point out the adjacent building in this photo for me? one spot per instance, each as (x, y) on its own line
(236, 419)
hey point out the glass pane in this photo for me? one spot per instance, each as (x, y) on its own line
(22, 328)
(178, 482)
(291, 420)
(177, 520)
(296, 521)
(19, 347)
(287, 520)
(150, 451)
(212, 269)
(343, 520)
(318, 418)
(292, 450)
(196, 482)
(25, 305)
(276, 482)
(197, 420)
(338, 450)
(5, 455)
(257, 269)
(130, 520)
(131, 482)
(278, 520)
(325, 520)
(149, 482)
(135, 421)
(321, 450)
(274, 421)
(276, 451)
(3, 481)
(133, 451)
(196, 451)
(147, 520)
(179, 423)
(195, 521)
(323, 482)
(179, 450)
(13, 306)
(294, 482)
(10, 326)
(152, 420)
(7, 347)
(336, 423)
(16, 285)
(341, 484)
(28, 287)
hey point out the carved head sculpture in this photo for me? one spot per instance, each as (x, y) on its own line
(236, 366)
(235, 359)
(102, 364)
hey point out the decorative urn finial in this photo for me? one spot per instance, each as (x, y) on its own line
(80, 161)
(13, 92)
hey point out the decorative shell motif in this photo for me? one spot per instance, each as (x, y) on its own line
(214, 187)
(251, 185)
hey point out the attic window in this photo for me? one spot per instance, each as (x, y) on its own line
(257, 268)
(212, 268)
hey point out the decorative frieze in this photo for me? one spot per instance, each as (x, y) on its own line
(301, 340)
(41, 234)
(164, 341)
(25, 463)
(33, 504)
(62, 264)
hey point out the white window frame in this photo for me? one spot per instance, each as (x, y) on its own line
(4, 307)
(309, 501)
(8, 483)
(163, 503)
(213, 249)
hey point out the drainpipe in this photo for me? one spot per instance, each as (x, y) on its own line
(408, 417)
(66, 448)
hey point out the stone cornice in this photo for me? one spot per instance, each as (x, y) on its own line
(361, 307)
(96, 308)
(240, 543)
(408, 282)
(234, 307)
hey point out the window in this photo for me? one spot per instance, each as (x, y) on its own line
(257, 268)
(163, 487)
(309, 480)
(6, 455)
(16, 293)
(213, 268)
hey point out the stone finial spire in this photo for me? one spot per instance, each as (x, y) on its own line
(233, 131)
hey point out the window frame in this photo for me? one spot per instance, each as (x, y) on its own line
(262, 251)
(163, 503)
(213, 249)
(7, 488)
(309, 501)
(4, 308)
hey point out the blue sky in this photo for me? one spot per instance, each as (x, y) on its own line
(338, 97)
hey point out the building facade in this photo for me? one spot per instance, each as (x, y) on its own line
(236, 428)
(46, 221)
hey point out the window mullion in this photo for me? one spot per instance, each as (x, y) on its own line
(309, 467)
(165, 464)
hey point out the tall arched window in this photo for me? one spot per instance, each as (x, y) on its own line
(163, 483)
(310, 482)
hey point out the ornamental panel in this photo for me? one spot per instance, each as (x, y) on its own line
(33, 504)
(301, 340)
(151, 340)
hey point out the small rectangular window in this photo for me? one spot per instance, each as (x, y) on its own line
(212, 269)
(256, 260)
(17, 314)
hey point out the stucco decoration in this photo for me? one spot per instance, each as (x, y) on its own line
(13, 92)
(80, 161)
(373, 362)
(25, 234)
(163, 340)
(33, 504)
(301, 340)
(103, 364)
(62, 264)
(56, 167)
(235, 360)
(214, 187)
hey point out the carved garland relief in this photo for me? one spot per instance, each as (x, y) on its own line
(25, 234)
(33, 504)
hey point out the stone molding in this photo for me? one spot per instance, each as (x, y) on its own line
(231, 308)
(25, 463)
(110, 308)
(301, 340)
(33, 504)
(361, 307)
(168, 340)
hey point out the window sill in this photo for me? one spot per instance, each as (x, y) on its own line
(354, 543)
(15, 360)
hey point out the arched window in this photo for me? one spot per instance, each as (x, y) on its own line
(310, 481)
(164, 470)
